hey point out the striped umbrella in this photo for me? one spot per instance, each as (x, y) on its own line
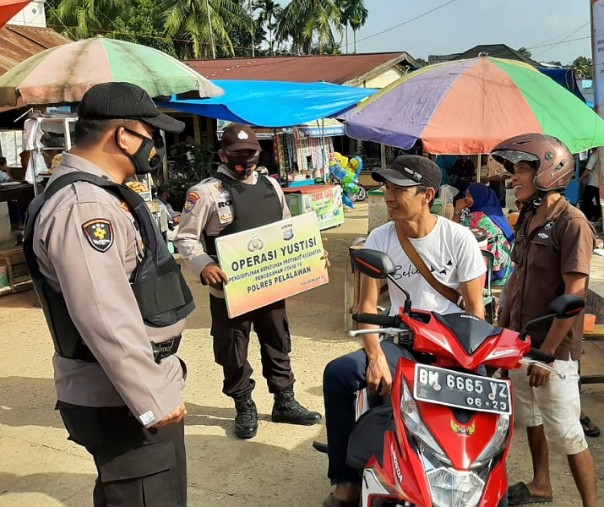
(63, 74)
(468, 106)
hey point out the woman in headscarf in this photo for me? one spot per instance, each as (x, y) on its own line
(480, 208)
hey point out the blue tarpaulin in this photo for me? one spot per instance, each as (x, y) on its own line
(273, 103)
(564, 77)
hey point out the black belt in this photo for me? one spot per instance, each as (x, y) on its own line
(165, 349)
(160, 350)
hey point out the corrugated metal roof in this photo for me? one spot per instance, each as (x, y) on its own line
(337, 69)
(18, 43)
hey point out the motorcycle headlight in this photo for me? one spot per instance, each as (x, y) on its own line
(497, 442)
(416, 426)
(451, 488)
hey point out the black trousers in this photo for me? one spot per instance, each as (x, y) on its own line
(231, 342)
(591, 203)
(136, 467)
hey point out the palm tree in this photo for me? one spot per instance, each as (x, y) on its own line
(81, 19)
(270, 14)
(358, 16)
(206, 24)
(353, 13)
(344, 20)
(306, 20)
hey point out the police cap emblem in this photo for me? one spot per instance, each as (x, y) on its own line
(99, 233)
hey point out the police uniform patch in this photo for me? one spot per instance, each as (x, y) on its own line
(192, 199)
(99, 233)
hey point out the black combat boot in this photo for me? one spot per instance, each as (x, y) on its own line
(246, 420)
(287, 410)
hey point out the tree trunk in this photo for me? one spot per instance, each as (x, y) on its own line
(354, 35)
(346, 30)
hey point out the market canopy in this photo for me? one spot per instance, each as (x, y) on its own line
(469, 106)
(273, 103)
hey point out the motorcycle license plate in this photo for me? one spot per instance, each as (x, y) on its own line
(461, 390)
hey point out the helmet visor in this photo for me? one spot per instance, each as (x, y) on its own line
(509, 158)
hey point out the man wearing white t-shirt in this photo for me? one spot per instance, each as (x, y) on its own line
(453, 256)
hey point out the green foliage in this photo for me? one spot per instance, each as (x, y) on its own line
(583, 65)
(204, 28)
(310, 23)
(178, 27)
(524, 52)
(353, 13)
(143, 24)
(269, 17)
(82, 19)
(205, 25)
(185, 174)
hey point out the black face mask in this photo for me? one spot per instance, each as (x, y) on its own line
(148, 158)
(242, 165)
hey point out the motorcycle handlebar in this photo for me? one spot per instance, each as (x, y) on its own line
(539, 355)
(379, 320)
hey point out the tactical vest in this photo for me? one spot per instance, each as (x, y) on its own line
(160, 290)
(254, 206)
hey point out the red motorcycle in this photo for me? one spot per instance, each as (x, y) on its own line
(443, 437)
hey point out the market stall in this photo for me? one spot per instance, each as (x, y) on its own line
(297, 114)
(303, 152)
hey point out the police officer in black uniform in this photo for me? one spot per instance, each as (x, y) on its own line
(115, 302)
(238, 198)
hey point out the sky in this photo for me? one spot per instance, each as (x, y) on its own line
(546, 27)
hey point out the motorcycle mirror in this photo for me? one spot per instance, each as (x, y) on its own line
(376, 264)
(563, 307)
(566, 306)
(373, 263)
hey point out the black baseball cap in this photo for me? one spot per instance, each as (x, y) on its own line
(410, 171)
(125, 101)
(237, 136)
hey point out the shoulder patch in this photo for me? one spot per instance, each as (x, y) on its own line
(192, 198)
(99, 233)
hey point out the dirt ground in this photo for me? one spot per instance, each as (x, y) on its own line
(38, 466)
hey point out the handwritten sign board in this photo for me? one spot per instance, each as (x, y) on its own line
(272, 262)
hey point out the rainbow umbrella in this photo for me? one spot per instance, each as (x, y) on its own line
(64, 73)
(468, 106)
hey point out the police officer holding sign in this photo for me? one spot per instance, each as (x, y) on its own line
(236, 199)
(115, 301)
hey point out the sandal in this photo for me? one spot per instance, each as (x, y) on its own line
(589, 428)
(519, 494)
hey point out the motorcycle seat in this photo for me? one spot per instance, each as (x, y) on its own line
(470, 331)
(367, 437)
